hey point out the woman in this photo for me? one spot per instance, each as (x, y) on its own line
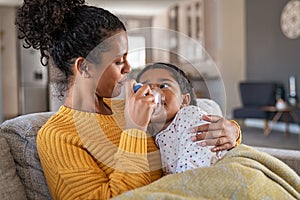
(94, 147)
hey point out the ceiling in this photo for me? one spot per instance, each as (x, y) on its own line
(121, 7)
(135, 7)
(10, 2)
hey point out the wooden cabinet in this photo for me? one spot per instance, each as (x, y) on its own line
(187, 42)
(187, 46)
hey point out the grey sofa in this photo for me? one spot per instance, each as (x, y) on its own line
(21, 174)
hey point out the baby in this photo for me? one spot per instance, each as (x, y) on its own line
(176, 114)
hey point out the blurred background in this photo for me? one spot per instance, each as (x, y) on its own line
(242, 37)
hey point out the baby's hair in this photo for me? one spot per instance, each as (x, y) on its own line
(179, 75)
(64, 30)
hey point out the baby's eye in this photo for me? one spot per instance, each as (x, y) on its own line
(163, 85)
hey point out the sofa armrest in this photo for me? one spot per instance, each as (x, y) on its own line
(289, 157)
(10, 183)
(20, 133)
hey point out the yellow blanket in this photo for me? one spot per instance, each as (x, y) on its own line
(243, 173)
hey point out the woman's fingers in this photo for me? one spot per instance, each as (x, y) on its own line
(218, 143)
(215, 124)
(129, 88)
(222, 147)
(210, 136)
(138, 106)
(207, 135)
(211, 118)
(220, 133)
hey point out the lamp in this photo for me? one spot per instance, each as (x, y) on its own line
(292, 99)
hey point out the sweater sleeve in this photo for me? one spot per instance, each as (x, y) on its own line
(239, 139)
(72, 173)
(131, 163)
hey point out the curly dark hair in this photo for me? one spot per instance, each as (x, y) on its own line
(179, 75)
(64, 30)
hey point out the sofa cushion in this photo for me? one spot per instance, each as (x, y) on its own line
(20, 134)
(10, 184)
(209, 106)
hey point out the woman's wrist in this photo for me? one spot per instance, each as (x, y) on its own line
(239, 138)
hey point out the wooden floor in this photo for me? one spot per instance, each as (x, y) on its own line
(255, 137)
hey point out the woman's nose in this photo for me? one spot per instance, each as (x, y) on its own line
(126, 68)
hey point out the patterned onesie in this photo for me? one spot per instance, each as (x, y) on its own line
(178, 151)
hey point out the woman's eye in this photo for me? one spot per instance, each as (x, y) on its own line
(163, 85)
(119, 62)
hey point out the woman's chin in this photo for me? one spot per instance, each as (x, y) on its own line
(116, 92)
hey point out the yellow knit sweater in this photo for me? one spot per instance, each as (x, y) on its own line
(91, 156)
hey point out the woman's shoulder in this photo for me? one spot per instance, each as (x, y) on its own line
(60, 128)
(60, 121)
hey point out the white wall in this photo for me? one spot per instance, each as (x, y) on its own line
(232, 49)
(1, 95)
(9, 70)
(225, 41)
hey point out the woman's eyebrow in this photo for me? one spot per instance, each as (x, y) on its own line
(121, 55)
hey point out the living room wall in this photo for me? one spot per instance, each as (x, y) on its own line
(270, 55)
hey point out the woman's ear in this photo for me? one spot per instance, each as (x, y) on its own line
(186, 100)
(82, 67)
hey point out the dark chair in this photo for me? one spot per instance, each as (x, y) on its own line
(253, 96)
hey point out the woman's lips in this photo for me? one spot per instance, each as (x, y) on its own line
(122, 82)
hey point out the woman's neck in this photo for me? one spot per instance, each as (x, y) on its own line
(87, 102)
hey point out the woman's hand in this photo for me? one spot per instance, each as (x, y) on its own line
(139, 106)
(221, 133)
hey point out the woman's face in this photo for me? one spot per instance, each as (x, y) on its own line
(163, 81)
(112, 71)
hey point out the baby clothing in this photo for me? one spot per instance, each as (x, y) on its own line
(178, 151)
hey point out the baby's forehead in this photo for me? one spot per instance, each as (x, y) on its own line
(157, 75)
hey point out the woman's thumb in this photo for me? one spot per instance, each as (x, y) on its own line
(129, 87)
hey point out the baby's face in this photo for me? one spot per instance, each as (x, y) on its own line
(163, 82)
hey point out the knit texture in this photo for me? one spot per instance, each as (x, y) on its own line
(243, 173)
(91, 156)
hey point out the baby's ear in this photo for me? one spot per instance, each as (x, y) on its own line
(186, 100)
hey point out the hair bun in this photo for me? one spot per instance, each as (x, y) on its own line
(39, 20)
(58, 10)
